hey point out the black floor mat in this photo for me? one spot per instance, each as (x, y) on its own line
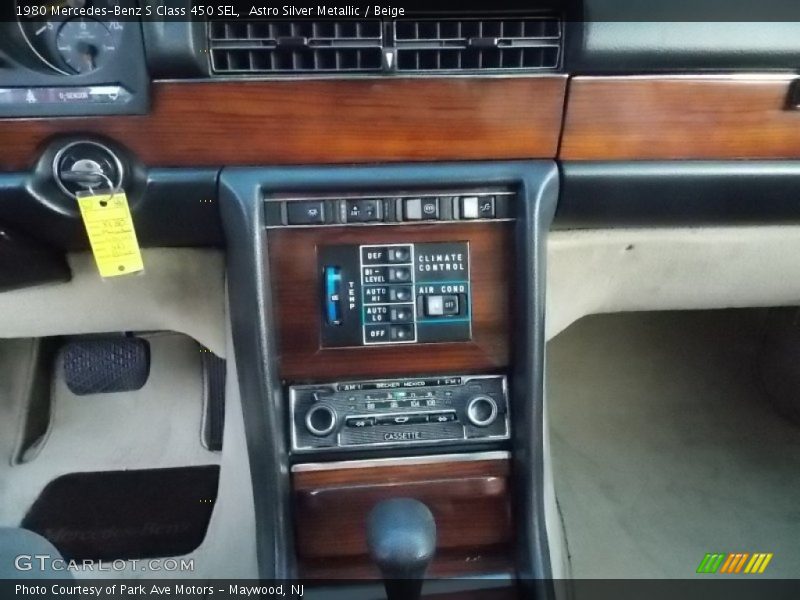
(126, 514)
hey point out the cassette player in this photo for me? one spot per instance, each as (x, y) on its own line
(399, 412)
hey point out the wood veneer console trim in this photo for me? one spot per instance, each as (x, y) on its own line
(395, 461)
(218, 123)
(470, 500)
(680, 117)
(402, 473)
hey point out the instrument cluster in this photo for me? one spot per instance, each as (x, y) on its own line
(71, 37)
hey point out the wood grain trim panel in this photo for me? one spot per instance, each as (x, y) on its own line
(197, 124)
(672, 117)
(296, 297)
(471, 502)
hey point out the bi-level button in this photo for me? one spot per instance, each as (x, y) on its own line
(399, 274)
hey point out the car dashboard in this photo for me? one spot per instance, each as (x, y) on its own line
(379, 222)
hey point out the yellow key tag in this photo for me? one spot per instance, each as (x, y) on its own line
(112, 236)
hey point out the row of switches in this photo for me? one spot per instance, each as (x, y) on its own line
(312, 212)
(407, 209)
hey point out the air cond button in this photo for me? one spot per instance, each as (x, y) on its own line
(441, 305)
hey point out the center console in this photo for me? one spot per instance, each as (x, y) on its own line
(393, 320)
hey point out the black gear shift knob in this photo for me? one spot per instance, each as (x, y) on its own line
(401, 535)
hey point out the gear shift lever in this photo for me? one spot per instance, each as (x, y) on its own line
(401, 535)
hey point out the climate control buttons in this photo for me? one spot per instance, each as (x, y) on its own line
(395, 293)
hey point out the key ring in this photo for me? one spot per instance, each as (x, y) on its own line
(107, 179)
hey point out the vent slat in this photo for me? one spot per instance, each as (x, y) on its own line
(264, 47)
(446, 45)
(478, 44)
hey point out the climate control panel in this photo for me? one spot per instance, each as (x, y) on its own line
(399, 412)
(395, 293)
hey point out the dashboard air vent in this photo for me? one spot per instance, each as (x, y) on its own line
(281, 47)
(478, 45)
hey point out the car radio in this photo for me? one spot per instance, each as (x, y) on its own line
(399, 412)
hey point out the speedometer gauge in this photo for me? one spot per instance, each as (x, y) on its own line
(65, 42)
(85, 44)
(39, 31)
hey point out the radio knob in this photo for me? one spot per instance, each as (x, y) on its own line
(482, 411)
(321, 420)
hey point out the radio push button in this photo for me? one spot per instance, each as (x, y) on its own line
(360, 422)
(411, 419)
(447, 417)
